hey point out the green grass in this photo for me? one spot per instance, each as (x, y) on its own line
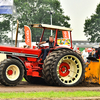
(49, 94)
(23, 79)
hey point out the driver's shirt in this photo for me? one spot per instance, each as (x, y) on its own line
(51, 44)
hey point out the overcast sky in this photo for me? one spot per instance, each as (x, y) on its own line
(78, 11)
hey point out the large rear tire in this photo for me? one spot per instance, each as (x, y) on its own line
(11, 72)
(63, 68)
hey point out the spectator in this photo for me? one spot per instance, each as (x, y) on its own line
(92, 54)
(98, 52)
(93, 49)
(85, 55)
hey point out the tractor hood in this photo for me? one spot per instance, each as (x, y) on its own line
(33, 53)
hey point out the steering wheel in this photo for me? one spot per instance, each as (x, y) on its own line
(42, 45)
(38, 45)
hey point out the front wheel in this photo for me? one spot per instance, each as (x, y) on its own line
(11, 72)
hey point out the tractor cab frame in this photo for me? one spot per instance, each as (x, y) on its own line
(53, 27)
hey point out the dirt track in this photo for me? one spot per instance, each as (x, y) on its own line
(26, 87)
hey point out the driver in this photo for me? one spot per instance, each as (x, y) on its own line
(51, 44)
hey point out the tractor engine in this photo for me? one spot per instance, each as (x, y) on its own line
(33, 69)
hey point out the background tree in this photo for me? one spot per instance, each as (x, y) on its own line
(4, 27)
(38, 11)
(92, 26)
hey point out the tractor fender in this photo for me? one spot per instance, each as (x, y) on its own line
(62, 48)
(14, 57)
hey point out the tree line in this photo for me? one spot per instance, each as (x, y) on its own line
(32, 12)
(38, 11)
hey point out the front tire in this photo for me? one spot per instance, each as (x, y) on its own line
(11, 72)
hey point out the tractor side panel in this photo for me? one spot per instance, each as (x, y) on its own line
(32, 59)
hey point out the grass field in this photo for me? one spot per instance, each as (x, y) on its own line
(49, 94)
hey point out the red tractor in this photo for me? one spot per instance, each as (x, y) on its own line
(62, 66)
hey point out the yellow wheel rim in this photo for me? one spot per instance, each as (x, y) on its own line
(69, 69)
(12, 72)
